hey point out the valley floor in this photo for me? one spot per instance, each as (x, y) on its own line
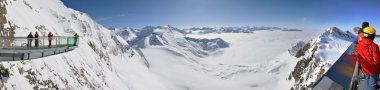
(254, 48)
(253, 61)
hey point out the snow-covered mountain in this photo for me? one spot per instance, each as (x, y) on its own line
(242, 29)
(172, 39)
(101, 61)
(164, 57)
(126, 33)
(318, 55)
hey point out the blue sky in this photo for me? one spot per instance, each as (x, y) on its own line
(302, 14)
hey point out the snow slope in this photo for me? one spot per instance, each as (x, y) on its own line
(318, 55)
(100, 62)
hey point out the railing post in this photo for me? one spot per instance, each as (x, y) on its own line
(28, 55)
(22, 56)
(13, 56)
(77, 40)
(43, 42)
(56, 41)
(30, 46)
(59, 40)
(68, 44)
(29, 43)
(67, 38)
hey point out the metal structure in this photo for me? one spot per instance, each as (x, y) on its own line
(21, 48)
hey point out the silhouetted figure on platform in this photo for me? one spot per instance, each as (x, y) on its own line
(75, 39)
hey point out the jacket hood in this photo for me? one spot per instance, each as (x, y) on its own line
(366, 43)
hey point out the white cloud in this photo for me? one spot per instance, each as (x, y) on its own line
(112, 17)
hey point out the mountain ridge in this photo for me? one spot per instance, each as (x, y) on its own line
(318, 55)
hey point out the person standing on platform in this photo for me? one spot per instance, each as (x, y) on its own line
(50, 37)
(36, 36)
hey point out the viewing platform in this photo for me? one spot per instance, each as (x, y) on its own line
(17, 48)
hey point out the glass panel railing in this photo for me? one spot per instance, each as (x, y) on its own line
(21, 48)
(73, 41)
(326, 83)
(340, 75)
(62, 41)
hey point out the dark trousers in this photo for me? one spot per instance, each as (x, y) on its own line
(75, 42)
(49, 43)
(29, 43)
(36, 43)
(371, 82)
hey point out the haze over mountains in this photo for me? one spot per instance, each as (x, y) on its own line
(165, 57)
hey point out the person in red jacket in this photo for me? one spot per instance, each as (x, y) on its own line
(36, 41)
(368, 56)
(50, 37)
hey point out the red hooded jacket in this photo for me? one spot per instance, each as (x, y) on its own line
(360, 37)
(50, 36)
(368, 56)
(36, 35)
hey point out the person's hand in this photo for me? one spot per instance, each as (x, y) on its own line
(354, 52)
